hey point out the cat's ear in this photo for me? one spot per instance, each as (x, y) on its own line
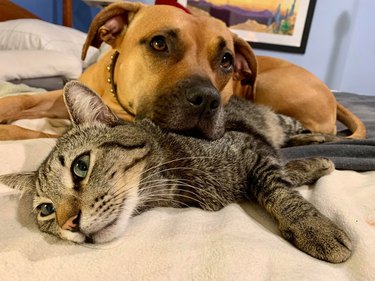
(85, 106)
(24, 182)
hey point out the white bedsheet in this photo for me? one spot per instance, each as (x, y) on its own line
(236, 243)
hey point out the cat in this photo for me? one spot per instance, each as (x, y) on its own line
(103, 171)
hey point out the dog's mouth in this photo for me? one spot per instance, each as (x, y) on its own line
(192, 107)
(205, 129)
(209, 128)
(176, 117)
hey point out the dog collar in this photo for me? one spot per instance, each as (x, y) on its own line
(111, 81)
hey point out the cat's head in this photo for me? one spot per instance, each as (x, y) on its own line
(87, 188)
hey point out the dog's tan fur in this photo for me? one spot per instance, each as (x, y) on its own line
(143, 78)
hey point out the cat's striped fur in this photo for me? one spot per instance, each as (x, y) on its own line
(101, 173)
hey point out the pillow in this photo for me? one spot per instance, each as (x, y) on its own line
(11, 11)
(35, 34)
(24, 64)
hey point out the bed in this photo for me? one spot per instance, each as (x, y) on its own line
(240, 242)
(38, 53)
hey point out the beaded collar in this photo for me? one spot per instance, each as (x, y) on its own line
(111, 81)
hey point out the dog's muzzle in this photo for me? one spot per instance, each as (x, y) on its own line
(203, 100)
(192, 106)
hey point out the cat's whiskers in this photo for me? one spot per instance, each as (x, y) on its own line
(168, 192)
(131, 178)
(146, 186)
(161, 197)
(182, 183)
(171, 203)
(144, 182)
(169, 162)
(156, 193)
(175, 160)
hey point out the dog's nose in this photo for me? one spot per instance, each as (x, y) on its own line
(205, 100)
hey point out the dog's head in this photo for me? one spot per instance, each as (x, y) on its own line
(174, 68)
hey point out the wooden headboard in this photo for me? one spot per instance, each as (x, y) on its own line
(10, 11)
(67, 13)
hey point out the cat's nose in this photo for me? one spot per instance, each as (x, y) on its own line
(72, 223)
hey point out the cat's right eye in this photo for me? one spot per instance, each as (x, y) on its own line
(46, 209)
(80, 166)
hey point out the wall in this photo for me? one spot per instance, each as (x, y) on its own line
(51, 11)
(340, 49)
(359, 72)
(341, 45)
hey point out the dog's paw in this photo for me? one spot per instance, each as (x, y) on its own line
(320, 238)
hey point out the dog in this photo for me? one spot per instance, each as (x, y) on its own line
(179, 70)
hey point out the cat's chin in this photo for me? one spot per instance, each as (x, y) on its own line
(109, 233)
(76, 237)
(96, 230)
(103, 236)
(116, 228)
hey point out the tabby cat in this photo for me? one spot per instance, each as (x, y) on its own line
(104, 171)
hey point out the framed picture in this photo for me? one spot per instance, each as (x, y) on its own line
(279, 25)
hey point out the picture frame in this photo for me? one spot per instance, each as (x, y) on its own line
(277, 25)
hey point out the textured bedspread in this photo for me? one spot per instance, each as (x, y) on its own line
(347, 155)
(240, 242)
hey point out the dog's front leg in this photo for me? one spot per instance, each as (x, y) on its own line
(50, 104)
(12, 108)
(13, 132)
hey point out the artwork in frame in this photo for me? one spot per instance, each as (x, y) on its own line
(279, 25)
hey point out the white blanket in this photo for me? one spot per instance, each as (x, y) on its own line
(236, 243)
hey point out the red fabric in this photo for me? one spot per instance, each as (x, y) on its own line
(172, 3)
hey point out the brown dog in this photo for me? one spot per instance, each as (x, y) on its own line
(178, 69)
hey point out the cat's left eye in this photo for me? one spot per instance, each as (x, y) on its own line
(46, 209)
(81, 166)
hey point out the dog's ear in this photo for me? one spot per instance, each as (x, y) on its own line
(85, 106)
(109, 24)
(245, 65)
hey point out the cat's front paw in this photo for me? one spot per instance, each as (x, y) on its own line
(320, 238)
(321, 166)
(308, 171)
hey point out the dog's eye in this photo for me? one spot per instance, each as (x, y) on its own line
(158, 44)
(226, 61)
